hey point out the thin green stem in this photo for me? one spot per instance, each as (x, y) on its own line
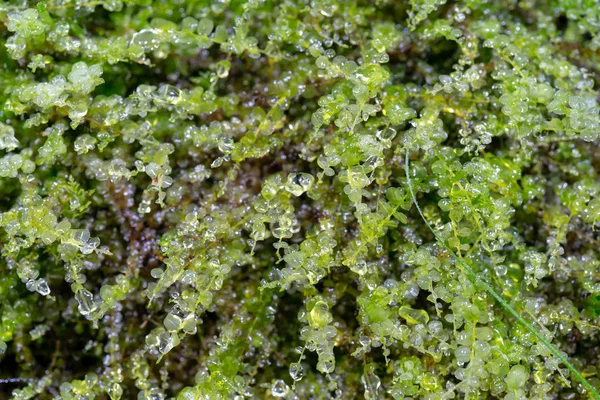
(480, 282)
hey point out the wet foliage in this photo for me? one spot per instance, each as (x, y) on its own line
(208, 199)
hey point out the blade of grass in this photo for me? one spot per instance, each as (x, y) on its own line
(478, 281)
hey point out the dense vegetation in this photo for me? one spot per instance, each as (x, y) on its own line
(208, 199)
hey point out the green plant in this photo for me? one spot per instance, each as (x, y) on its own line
(214, 199)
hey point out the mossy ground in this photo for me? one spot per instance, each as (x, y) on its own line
(208, 199)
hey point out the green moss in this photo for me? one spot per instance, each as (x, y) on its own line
(204, 199)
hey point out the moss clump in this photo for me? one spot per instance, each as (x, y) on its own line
(209, 199)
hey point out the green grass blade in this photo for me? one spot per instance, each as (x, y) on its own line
(478, 281)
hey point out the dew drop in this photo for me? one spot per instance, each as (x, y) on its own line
(279, 388)
(166, 341)
(299, 182)
(360, 267)
(296, 371)
(86, 301)
(326, 366)
(320, 315)
(42, 287)
(147, 39)
(31, 285)
(322, 62)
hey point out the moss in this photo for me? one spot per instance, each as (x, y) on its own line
(204, 199)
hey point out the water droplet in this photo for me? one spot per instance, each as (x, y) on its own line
(170, 94)
(296, 371)
(463, 354)
(360, 267)
(188, 277)
(364, 340)
(386, 134)
(166, 341)
(42, 287)
(225, 145)
(31, 285)
(322, 62)
(501, 270)
(279, 388)
(299, 182)
(147, 39)
(144, 207)
(217, 163)
(326, 366)
(86, 301)
(222, 69)
(320, 315)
